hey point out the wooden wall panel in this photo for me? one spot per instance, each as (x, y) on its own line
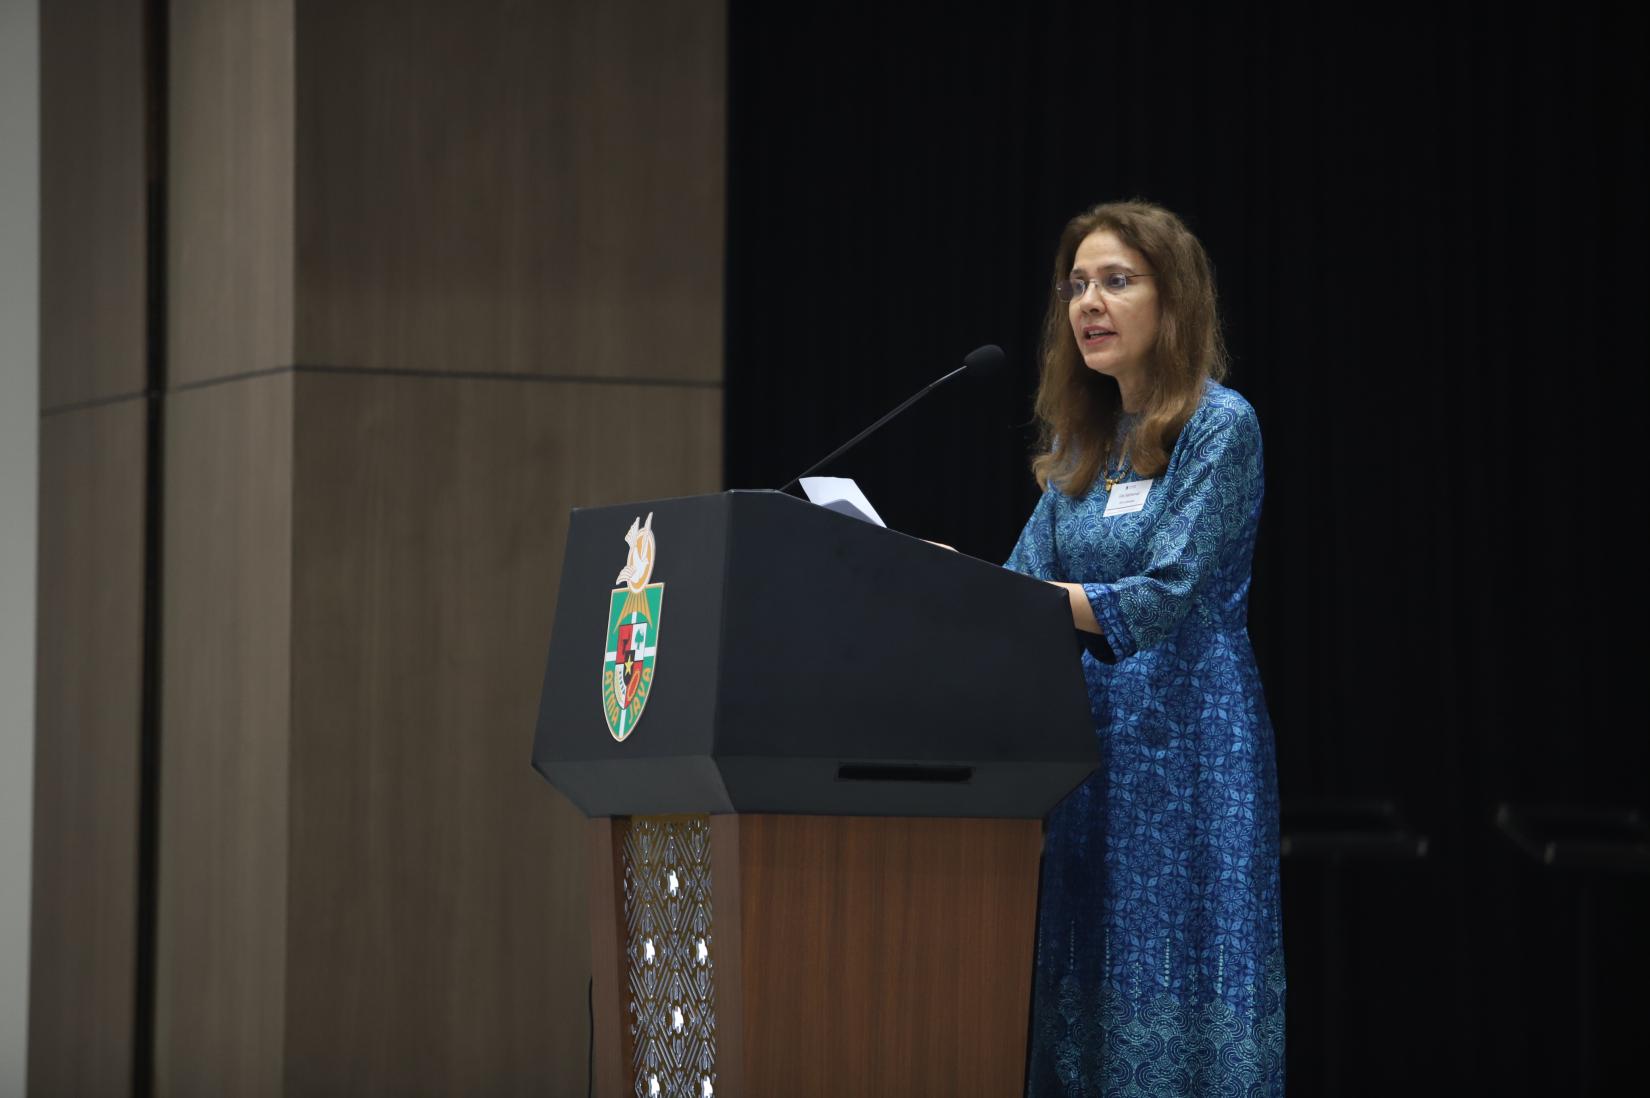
(363, 887)
(532, 188)
(88, 708)
(438, 910)
(229, 188)
(92, 201)
(221, 939)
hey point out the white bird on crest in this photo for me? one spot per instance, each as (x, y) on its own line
(639, 565)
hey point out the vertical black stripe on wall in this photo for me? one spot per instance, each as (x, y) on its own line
(155, 32)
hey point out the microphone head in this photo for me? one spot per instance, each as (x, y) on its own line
(985, 361)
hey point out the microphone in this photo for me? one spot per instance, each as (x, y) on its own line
(980, 362)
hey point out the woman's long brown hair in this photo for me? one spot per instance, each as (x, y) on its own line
(1078, 409)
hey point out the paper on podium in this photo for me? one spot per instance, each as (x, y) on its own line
(843, 495)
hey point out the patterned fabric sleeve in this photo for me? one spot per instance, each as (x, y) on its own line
(1215, 492)
(1034, 554)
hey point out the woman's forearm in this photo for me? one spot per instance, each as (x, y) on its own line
(1082, 614)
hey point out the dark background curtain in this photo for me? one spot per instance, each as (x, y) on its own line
(1430, 239)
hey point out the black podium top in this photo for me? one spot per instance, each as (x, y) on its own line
(768, 655)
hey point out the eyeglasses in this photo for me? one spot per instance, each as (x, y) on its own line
(1111, 284)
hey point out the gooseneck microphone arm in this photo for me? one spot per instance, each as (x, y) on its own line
(857, 439)
(980, 361)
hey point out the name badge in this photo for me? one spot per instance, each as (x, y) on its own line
(1127, 498)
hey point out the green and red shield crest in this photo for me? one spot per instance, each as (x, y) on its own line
(632, 635)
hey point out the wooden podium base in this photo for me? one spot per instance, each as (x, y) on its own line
(812, 955)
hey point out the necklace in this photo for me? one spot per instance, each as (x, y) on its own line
(1125, 430)
(1115, 477)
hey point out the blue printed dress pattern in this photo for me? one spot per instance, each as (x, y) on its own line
(1159, 939)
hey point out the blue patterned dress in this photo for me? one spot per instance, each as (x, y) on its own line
(1159, 944)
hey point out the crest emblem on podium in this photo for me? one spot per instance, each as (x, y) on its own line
(632, 633)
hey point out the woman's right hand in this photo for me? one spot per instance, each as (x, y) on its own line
(1082, 613)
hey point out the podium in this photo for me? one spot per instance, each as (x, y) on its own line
(816, 755)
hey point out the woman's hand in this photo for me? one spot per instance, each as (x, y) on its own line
(1082, 614)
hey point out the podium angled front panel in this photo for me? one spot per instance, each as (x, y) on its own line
(807, 662)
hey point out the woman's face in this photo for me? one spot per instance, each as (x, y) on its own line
(1115, 329)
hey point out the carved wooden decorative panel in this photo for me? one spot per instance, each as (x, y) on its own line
(670, 956)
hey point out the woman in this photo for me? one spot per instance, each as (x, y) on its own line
(1159, 951)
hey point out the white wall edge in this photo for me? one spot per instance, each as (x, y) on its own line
(19, 463)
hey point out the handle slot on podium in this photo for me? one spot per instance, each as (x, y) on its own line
(884, 772)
